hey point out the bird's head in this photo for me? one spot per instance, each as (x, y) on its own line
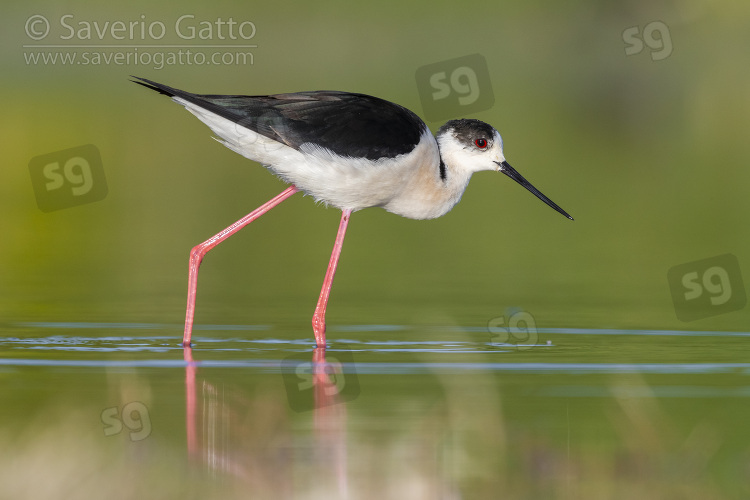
(473, 146)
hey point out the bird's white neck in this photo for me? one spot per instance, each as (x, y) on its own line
(430, 190)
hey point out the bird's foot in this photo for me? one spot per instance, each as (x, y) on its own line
(319, 328)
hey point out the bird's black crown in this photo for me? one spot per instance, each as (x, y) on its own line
(467, 130)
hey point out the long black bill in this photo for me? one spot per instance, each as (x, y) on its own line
(511, 172)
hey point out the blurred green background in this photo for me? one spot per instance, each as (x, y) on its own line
(649, 156)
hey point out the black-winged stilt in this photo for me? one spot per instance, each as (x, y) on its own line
(351, 151)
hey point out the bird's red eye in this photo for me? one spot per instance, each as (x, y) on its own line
(481, 143)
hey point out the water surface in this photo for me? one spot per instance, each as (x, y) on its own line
(121, 409)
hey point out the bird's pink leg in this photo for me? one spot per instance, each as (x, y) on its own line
(199, 251)
(190, 398)
(319, 318)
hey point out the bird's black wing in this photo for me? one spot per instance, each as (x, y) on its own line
(355, 125)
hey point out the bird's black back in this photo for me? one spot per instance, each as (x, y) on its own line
(349, 124)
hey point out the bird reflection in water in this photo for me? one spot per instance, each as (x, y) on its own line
(218, 425)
